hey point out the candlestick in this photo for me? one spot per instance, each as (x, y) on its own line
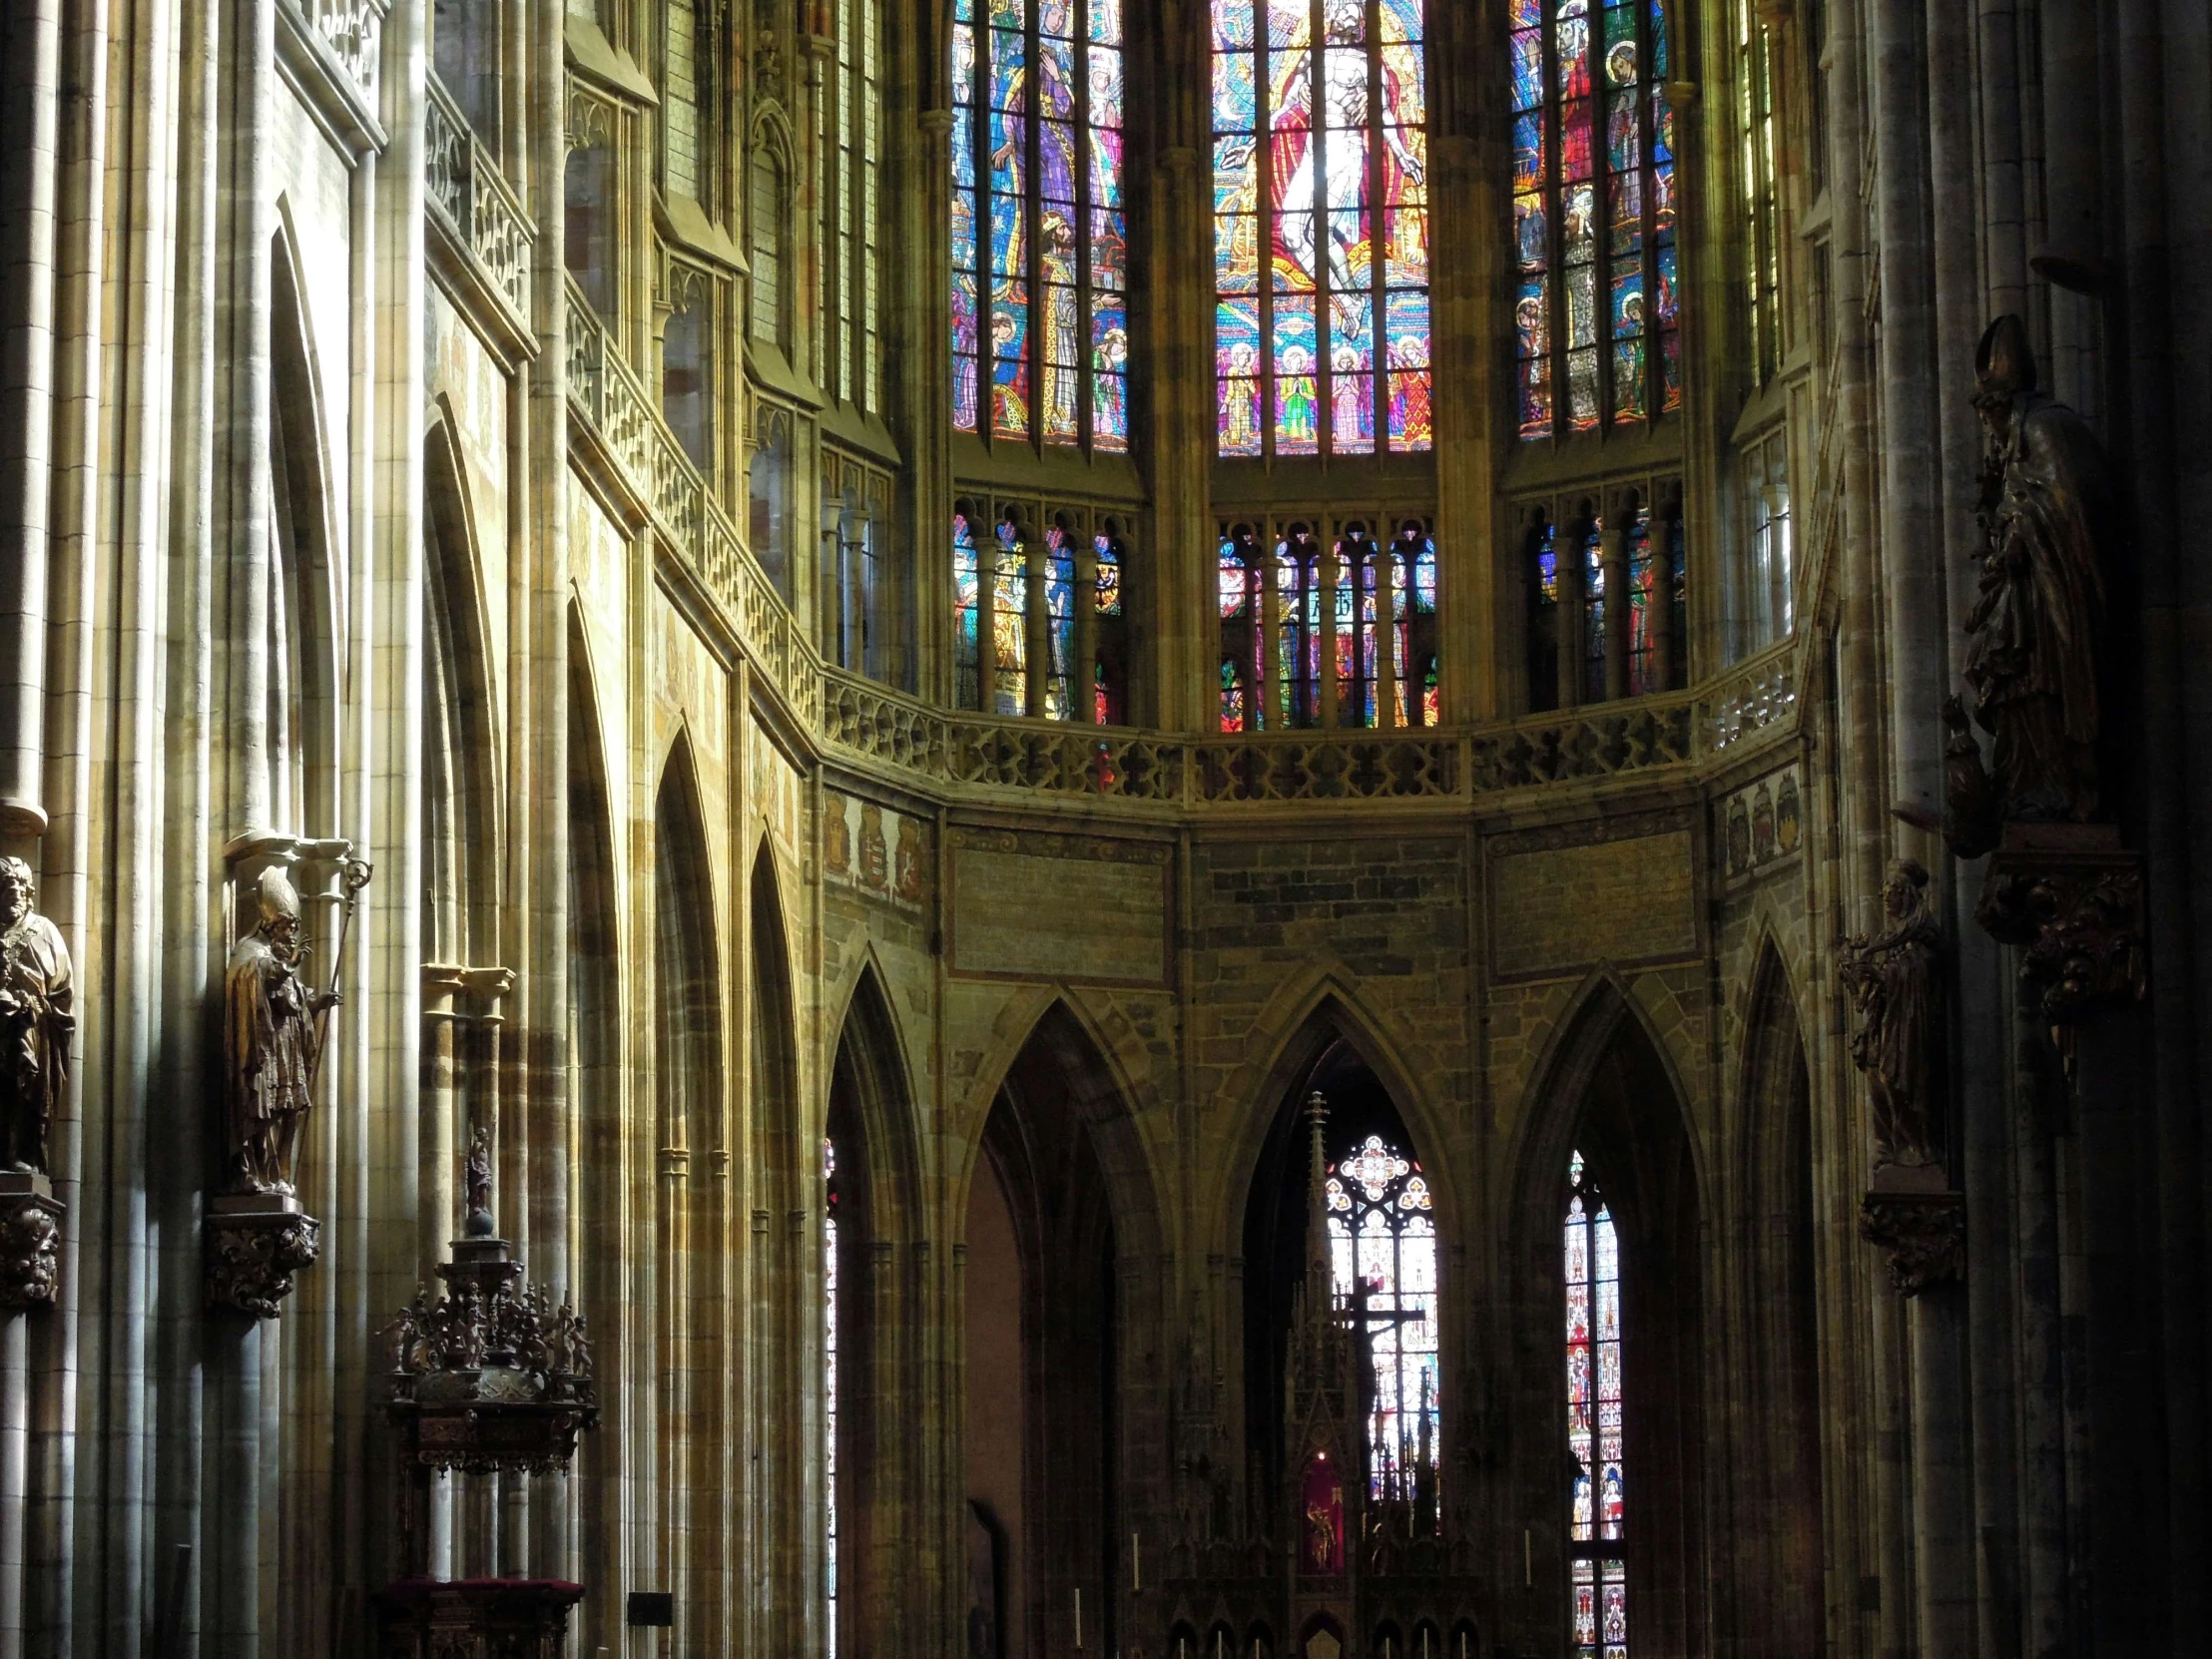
(1079, 1618)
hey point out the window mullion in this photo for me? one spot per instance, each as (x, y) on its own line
(1371, 211)
(1032, 218)
(1081, 229)
(1555, 234)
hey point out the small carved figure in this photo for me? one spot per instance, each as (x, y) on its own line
(37, 990)
(1892, 980)
(478, 1224)
(2033, 630)
(1970, 799)
(271, 1042)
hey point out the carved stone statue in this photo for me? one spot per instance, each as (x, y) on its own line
(270, 1041)
(37, 989)
(1892, 980)
(2031, 659)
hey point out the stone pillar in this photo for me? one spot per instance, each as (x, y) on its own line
(1613, 552)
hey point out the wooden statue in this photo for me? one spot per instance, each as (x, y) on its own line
(1892, 981)
(37, 990)
(271, 1042)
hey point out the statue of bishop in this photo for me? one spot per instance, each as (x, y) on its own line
(271, 1042)
(37, 989)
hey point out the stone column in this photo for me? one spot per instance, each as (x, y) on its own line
(1613, 552)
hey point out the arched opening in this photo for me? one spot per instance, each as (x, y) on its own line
(689, 1114)
(301, 639)
(1609, 1291)
(599, 1172)
(867, 1366)
(459, 732)
(1045, 1314)
(1779, 1452)
(1382, 1271)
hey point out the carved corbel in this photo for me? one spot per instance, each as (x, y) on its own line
(1923, 1231)
(255, 1243)
(30, 1243)
(2072, 897)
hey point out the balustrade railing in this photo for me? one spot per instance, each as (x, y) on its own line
(352, 29)
(479, 207)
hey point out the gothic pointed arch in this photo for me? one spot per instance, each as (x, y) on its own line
(692, 1312)
(304, 629)
(604, 1171)
(1605, 1154)
(1777, 1442)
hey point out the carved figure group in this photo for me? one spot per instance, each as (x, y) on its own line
(271, 1038)
(37, 994)
(2034, 629)
(1890, 978)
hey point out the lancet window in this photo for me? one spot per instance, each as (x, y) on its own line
(1337, 635)
(1383, 1260)
(1320, 226)
(1039, 623)
(1593, 214)
(849, 114)
(1040, 329)
(1596, 1496)
(1756, 161)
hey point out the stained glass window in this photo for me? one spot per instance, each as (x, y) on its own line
(1414, 625)
(1110, 634)
(1345, 636)
(1643, 578)
(1596, 1498)
(1040, 235)
(1678, 602)
(1321, 225)
(1383, 1242)
(1010, 622)
(968, 690)
(1593, 214)
(830, 1390)
(1595, 618)
(1059, 624)
(1542, 579)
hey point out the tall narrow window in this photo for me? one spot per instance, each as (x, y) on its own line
(1320, 226)
(1762, 253)
(1643, 578)
(1414, 625)
(1039, 239)
(829, 1390)
(1593, 211)
(1678, 601)
(1596, 1501)
(1383, 1253)
(1240, 594)
(684, 72)
(967, 614)
(767, 215)
(1356, 643)
(1596, 619)
(1542, 578)
(1110, 638)
(1059, 624)
(851, 114)
(1301, 628)
(1009, 622)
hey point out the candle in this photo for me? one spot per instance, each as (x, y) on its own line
(1136, 1564)
(1079, 1618)
(1527, 1571)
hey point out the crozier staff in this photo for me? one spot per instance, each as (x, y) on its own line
(271, 1042)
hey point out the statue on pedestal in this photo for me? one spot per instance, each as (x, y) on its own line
(2033, 653)
(271, 1040)
(1892, 980)
(37, 990)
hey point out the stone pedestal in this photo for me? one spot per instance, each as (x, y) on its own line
(2072, 897)
(1912, 1211)
(255, 1243)
(30, 1240)
(476, 1618)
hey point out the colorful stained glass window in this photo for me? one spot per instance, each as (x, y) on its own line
(1678, 603)
(1593, 214)
(1320, 226)
(1109, 634)
(1643, 580)
(1241, 597)
(968, 690)
(1414, 625)
(1060, 625)
(1543, 582)
(1597, 1493)
(1009, 622)
(829, 1390)
(1382, 1259)
(1302, 627)
(1594, 615)
(1040, 322)
(1354, 631)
